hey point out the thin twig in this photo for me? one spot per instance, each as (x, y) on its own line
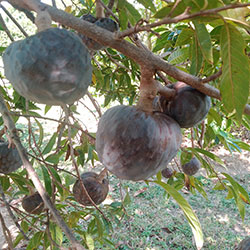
(14, 20)
(212, 77)
(54, 120)
(33, 175)
(179, 18)
(4, 26)
(12, 216)
(6, 233)
(66, 110)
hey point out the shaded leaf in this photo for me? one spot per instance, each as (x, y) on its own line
(184, 37)
(204, 41)
(196, 57)
(234, 85)
(47, 180)
(50, 144)
(179, 56)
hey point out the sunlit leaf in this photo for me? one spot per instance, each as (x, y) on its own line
(188, 212)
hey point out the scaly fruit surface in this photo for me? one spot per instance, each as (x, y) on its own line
(189, 107)
(105, 23)
(135, 145)
(97, 190)
(192, 167)
(33, 204)
(52, 67)
(10, 160)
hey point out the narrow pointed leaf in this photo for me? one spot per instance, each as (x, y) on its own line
(188, 212)
(235, 77)
(197, 58)
(204, 41)
(179, 56)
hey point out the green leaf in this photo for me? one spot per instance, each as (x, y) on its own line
(41, 134)
(57, 177)
(53, 158)
(73, 219)
(25, 226)
(196, 57)
(184, 37)
(1, 27)
(47, 108)
(147, 4)
(188, 212)
(89, 241)
(234, 85)
(123, 18)
(179, 56)
(204, 41)
(133, 14)
(237, 16)
(56, 233)
(47, 180)
(35, 241)
(207, 153)
(50, 144)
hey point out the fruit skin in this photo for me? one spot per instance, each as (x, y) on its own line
(192, 167)
(189, 107)
(10, 160)
(167, 173)
(52, 67)
(33, 203)
(135, 145)
(244, 244)
(97, 190)
(105, 23)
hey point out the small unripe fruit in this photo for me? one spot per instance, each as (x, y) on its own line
(192, 167)
(244, 244)
(10, 160)
(105, 23)
(97, 189)
(33, 204)
(167, 173)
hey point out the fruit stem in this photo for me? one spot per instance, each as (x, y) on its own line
(99, 9)
(102, 175)
(148, 90)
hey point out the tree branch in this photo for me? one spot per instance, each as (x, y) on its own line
(146, 59)
(179, 18)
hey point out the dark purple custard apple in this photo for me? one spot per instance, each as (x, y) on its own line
(52, 67)
(135, 145)
(33, 204)
(189, 107)
(167, 173)
(192, 167)
(97, 189)
(10, 160)
(244, 244)
(105, 23)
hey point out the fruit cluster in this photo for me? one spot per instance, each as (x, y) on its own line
(105, 23)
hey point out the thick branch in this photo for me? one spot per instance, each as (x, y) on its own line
(141, 56)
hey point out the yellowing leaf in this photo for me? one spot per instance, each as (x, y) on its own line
(68, 9)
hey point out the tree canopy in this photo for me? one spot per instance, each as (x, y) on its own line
(204, 44)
